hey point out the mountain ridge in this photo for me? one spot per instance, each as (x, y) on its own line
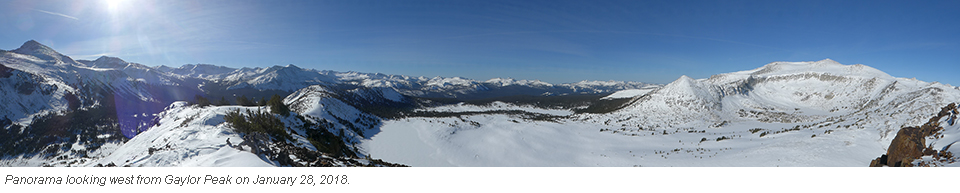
(777, 103)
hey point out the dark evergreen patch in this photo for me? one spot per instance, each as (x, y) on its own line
(277, 106)
(250, 122)
(201, 101)
(223, 101)
(321, 138)
(242, 100)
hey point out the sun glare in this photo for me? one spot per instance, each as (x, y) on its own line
(114, 6)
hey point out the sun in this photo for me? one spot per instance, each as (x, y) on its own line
(115, 6)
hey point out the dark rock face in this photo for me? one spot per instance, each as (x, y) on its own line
(906, 147)
(5, 72)
(909, 144)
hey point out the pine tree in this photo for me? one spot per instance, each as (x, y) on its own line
(201, 101)
(277, 106)
(223, 101)
(244, 101)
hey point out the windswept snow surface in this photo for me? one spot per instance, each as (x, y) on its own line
(496, 106)
(499, 141)
(186, 136)
(629, 93)
(783, 114)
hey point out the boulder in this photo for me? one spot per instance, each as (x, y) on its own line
(906, 146)
(910, 142)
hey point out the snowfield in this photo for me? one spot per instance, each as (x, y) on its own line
(502, 140)
(495, 106)
(783, 114)
(629, 93)
(187, 136)
(55, 111)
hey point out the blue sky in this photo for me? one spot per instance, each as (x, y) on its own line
(554, 41)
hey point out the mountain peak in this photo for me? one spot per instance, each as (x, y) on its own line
(43, 52)
(31, 43)
(684, 80)
(823, 66)
(110, 59)
(31, 46)
(109, 62)
(828, 61)
(682, 83)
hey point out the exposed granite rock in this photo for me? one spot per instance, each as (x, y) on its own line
(909, 144)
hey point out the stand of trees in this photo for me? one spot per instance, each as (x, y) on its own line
(276, 102)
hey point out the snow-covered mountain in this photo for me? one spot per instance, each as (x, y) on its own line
(42, 53)
(290, 78)
(136, 91)
(109, 112)
(43, 90)
(787, 92)
(200, 136)
(782, 114)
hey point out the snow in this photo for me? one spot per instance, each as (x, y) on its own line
(407, 144)
(204, 71)
(819, 113)
(944, 140)
(629, 93)
(391, 94)
(502, 82)
(499, 141)
(496, 106)
(227, 157)
(440, 82)
(186, 136)
(316, 102)
(24, 96)
(809, 113)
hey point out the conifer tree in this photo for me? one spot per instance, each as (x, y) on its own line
(223, 101)
(201, 101)
(277, 106)
(244, 101)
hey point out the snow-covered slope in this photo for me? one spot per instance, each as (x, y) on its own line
(23, 95)
(60, 112)
(44, 54)
(628, 93)
(930, 144)
(204, 71)
(62, 84)
(200, 136)
(186, 136)
(320, 104)
(783, 114)
(942, 141)
(786, 92)
(286, 78)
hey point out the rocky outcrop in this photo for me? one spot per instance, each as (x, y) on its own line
(909, 144)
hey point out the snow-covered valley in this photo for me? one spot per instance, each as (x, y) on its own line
(109, 112)
(783, 114)
(502, 140)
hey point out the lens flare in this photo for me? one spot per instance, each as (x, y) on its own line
(114, 6)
